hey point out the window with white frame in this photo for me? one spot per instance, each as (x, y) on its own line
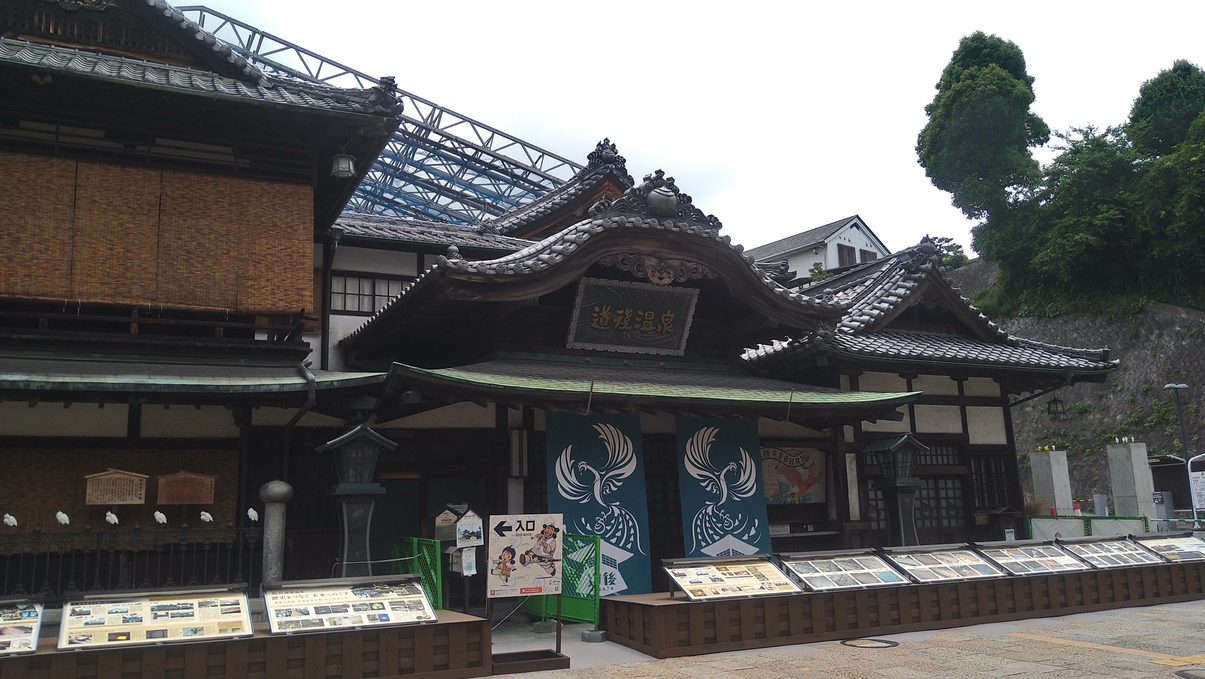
(362, 294)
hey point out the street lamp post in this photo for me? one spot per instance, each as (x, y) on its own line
(1176, 388)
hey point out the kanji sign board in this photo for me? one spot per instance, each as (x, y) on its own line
(524, 555)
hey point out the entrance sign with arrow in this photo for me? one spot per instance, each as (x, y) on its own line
(524, 555)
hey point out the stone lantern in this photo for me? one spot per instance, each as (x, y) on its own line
(356, 454)
(896, 459)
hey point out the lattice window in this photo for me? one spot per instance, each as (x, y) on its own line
(940, 504)
(990, 481)
(876, 510)
(940, 455)
(361, 294)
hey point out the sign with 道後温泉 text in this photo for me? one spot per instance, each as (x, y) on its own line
(159, 619)
(115, 487)
(524, 555)
(631, 317)
(20, 625)
(321, 606)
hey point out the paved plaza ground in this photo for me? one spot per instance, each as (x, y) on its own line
(1164, 642)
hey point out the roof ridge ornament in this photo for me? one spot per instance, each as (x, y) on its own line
(605, 157)
(658, 196)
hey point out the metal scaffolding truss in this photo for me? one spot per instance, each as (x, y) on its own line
(439, 164)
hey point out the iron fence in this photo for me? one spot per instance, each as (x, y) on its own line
(57, 565)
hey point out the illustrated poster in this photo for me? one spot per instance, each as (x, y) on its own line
(596, 480)
(470, 531)
(793, 475)
(20, 625)
(723, 504)
(524, 555)
(129, 621)
(317, 609)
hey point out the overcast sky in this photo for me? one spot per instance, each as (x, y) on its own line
(776, 117)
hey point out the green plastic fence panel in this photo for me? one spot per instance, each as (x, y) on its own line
(580, 583)
(422, 557)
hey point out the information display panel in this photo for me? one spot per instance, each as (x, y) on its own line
(703, 580)
(1111, 553)
(1176, 548)
(321, 605)
(1033, 559)
(847, 570)
(193, 615)
(20, 625)
(947, 564)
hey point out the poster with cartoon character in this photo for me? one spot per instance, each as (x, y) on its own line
(524, 555)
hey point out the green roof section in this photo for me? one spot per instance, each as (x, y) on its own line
(645, 381)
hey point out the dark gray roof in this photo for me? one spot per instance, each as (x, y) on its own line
(191, 30)
(277, 90)
(398, 229)
(906, 346)
(603, 162)
(799, 241)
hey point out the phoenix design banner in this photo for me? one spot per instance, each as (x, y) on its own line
(723, 504)
(596, 480)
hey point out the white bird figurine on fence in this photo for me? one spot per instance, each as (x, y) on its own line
(252, 514)
(207, 517)
(10, 520)
(63, 518)
(111, 518)
(160, 517)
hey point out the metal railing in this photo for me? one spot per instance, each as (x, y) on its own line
(57, 565)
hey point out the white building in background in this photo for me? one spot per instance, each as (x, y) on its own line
(839, 244)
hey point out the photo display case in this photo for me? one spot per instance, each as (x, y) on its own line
(819, 571)
(345, 603)
(20, 625)
(936, 564)
(162, 618)
(1183, 547)
(1032, 558)
(1110, 552)
(707, 579)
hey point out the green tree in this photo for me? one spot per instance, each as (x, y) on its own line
(977, 142)
(1173, 212)
(951, 253)
(1166, 105)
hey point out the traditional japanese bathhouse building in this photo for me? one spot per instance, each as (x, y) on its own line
(160, 199)
(636, 371)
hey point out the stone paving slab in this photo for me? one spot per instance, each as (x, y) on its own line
(1152, 642)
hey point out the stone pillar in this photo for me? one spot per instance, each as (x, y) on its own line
(275, 494)
(1130, 477)
(1051, 480)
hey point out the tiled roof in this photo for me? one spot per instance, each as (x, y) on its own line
(381, 227)
(192, 30)
(645, 381)
(604, 161)
(799, 241)
(169, 377)
(904, 346)
(274, 89)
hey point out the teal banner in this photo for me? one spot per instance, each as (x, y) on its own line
(596, 480)
(723, 504)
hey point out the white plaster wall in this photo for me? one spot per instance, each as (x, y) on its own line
(455, 416)
(376, 261)
(890, 426)
(188, 422)
(932, 419)
(935, 385)
(981, 386)
(986, 426)
(881, 382)
(52, 419)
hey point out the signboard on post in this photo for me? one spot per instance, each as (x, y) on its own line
(524, 555)
(1197, 481)
(470, 531)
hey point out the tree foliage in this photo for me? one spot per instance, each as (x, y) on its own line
(1165, 108)
(977, 142)
(951, 253)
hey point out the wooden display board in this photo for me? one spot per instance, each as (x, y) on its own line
(169, 617)
(323, 605)
(1183, 547)
(711, 579)
(844, 570)
(1112, 553)
(938, 565)
(20, 625)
